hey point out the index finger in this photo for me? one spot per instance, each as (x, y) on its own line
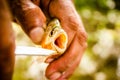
(65, 11)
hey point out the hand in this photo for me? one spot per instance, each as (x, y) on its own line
(62, 68)
(33, 20)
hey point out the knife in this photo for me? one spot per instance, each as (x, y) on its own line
(32, 51)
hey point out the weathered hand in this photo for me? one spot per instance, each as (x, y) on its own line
(32, 17)
(63, 67)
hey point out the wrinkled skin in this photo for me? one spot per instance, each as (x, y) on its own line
(33, 16)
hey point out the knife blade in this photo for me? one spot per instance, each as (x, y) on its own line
(32, 51)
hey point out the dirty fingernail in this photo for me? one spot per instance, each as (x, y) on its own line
(55, 76)
(49, 60)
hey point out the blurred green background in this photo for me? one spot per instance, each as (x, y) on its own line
(101, 60)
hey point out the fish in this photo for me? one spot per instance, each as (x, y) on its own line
(55, 38)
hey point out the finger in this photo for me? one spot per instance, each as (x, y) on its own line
(31, 18)
(51, 58)
(66, 74)
(7, 44)
(69, 18)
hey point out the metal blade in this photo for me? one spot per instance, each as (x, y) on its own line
(33, 51)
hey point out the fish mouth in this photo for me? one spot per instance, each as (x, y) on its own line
(55, 38)
(60, 41)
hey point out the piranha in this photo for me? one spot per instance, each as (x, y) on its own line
(55, 38)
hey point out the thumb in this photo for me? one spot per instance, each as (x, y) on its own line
(30, 17)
